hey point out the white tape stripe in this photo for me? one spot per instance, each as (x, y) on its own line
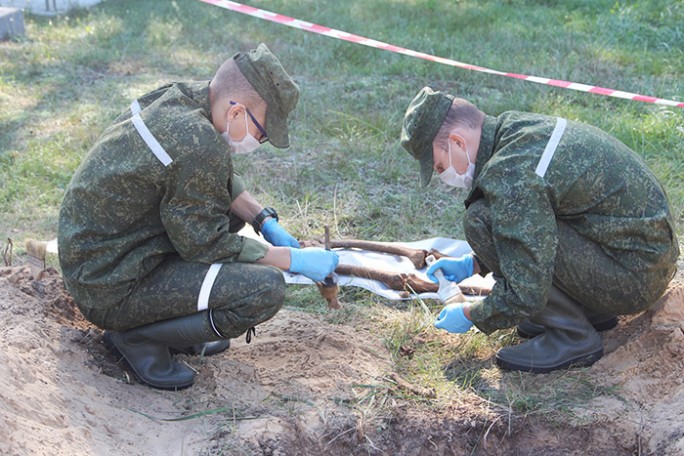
(409, 52)
(135, 107)
(264, 15)
(551, 146)
(675, 104)
(301, 24)
(147, 135)
(207, 284)
(338, 34)
(580, 87)
(538, 80)
(619, 94)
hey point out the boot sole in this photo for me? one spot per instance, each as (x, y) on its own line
(580, 361)
(599, 326)
(109, 345)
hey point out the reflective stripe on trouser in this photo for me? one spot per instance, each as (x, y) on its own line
(582, 268)
(242, 296)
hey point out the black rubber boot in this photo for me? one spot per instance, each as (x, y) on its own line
(600, 322)
(205, 349)
(146, 348)
(569, 340)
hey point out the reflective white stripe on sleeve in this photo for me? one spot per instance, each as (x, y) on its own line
(551, 147)
(207, 284)
(135, 107)
(147, 135)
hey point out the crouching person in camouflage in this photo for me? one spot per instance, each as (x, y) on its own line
(147, 228)
(570, 221)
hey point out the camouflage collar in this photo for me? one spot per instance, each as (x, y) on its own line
(486, 149)
(484, 153)
(199, 92)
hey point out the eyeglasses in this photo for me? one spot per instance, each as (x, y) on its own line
(264, 135)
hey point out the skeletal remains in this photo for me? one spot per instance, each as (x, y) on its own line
(405, 283)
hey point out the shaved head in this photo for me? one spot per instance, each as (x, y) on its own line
(230, 83)
(461, 114)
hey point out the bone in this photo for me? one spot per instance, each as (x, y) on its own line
(403, 282)
(330, 293)
(417, 256)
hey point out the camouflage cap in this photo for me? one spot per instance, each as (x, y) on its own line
(423, 119)
(270, 80)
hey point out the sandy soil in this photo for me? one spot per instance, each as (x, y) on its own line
(289, 392)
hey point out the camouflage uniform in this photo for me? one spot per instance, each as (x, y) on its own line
(597, 223)
(138, 233)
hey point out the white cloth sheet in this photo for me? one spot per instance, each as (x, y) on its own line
(399, 264)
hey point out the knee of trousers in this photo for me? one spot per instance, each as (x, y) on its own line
(260, 305)
(273, 294)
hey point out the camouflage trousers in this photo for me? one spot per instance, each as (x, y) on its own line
(242, 296)
(583, 269)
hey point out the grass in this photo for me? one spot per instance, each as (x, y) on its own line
(71, 75)
(459, 366)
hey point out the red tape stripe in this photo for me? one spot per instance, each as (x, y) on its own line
(340, 35)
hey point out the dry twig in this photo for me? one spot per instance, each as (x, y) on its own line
(7, 253)
(329, 287)
(417, 390)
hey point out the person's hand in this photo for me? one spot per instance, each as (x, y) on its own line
(313, 262)
(454, 269)
(277, 235)
(453, 319)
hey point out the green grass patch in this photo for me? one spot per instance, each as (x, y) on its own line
(460, 368)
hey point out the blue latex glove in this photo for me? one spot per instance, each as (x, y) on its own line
(452, 319)
(276, 234)
(454, 269)
(314, 262)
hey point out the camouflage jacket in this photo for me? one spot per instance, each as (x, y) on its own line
(125, 210)
(593, 182)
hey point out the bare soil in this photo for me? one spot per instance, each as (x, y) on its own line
(291, 392)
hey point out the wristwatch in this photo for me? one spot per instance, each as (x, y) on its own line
(261, 216)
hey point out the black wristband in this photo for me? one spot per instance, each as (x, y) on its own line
(261, 216)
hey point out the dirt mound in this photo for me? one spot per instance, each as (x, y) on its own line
(646, 362)
(299, 389)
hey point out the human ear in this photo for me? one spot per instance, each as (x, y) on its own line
(234, 111)
(458, 140)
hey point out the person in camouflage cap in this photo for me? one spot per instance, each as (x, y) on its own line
(573, 225)
(148, 241)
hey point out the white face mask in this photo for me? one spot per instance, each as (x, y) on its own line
(450, 177)
(246, 145)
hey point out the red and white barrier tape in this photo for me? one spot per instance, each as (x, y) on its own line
(340, 35)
